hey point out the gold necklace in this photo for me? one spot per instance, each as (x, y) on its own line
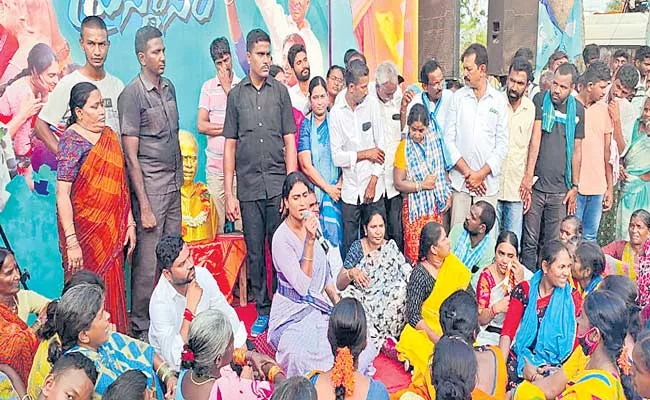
(211, 378)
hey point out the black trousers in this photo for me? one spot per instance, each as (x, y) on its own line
(353, 214)
(541, 224)
(394, 228)
(260, 219)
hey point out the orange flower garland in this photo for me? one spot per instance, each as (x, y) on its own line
(624, 362)
(239, 357)
(343, 371)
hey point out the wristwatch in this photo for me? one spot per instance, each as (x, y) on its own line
(576, 186)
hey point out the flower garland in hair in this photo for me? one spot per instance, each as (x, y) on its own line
(187, 354)
(623, 362)
(343, 371)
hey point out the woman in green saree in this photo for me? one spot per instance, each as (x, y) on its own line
(635, 188)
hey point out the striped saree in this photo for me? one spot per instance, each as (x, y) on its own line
(101, 204)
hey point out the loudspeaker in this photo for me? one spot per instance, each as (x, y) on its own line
(439, 34)
(511, 24)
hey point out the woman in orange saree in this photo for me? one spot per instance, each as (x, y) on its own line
(18, 341)
(92, 194)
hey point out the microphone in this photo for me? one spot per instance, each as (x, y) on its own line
(319, 235)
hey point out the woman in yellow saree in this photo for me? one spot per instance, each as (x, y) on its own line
(622, 256)
(438, 274)
(459, 319)
(602, 327)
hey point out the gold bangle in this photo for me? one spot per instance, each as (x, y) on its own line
(162, 370)
(168, 374)
(307, 259)
(36, 325)
(273, 372)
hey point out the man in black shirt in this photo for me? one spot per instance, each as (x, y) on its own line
(260, 145)
(554, 193)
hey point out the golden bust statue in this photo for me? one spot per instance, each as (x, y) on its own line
(199, 213)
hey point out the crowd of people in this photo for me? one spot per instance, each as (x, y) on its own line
(457, 231)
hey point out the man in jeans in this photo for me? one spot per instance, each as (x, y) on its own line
(521, 117)
(210, 119)
(595, 190)
(260, 145)
(554, 157)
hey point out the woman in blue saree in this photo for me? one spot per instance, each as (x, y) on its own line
(83, 326)
(315, 158)
(635, 188)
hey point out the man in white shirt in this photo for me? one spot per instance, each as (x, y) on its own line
(476, 136)
(299, 93)
(435, 98)
(182, 292)
(54, 114)
(386, 92)
(357, 140)
(281, 25)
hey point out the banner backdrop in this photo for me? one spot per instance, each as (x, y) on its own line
(554, 34)
(383, 29)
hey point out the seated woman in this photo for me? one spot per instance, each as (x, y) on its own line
(348, 338)
(459, 319)
(82, 325)
(557, 379)
(47, 332)
(454, 370)
(420, 175)
(623, 255)
(601, 331)
(294, 388)
(206, 358)
(588, 267)
(315, 158)
(541, 317)
(26, 302)
(641, 365)
(627, 290)
(379, 273)
(130, 385)
(300, 310)
(571, 231)
(495, 284)
(19, 342)
(438, 274)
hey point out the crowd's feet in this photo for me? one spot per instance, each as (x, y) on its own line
(260, 325)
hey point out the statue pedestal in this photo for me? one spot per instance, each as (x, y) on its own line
(225, 258)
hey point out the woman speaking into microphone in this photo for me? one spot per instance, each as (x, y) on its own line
(303, 301)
